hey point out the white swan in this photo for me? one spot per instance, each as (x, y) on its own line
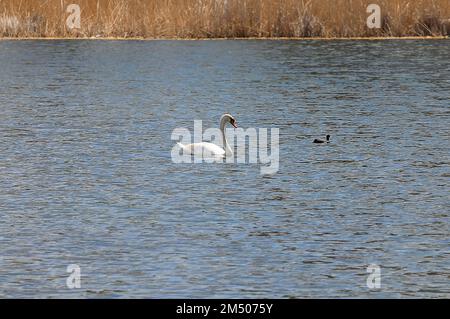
(210, 148)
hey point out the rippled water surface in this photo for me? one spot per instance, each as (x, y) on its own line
(86, 175)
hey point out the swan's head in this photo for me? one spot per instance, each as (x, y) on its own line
(230, 119)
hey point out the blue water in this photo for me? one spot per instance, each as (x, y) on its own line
(86, 175)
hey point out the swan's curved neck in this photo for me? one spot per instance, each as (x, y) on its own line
(223, 122)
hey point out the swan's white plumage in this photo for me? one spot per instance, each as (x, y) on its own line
(203, 148)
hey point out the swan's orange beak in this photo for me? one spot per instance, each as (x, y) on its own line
(234, 124)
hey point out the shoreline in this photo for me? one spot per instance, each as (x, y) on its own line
(375, 38)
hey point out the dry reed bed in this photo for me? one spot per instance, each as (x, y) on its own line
(224, 18)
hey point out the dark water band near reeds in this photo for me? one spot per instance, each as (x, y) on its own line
(223, 18)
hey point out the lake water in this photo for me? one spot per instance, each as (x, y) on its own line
(86, 176)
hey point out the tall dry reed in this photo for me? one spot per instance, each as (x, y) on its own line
(223, 18)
